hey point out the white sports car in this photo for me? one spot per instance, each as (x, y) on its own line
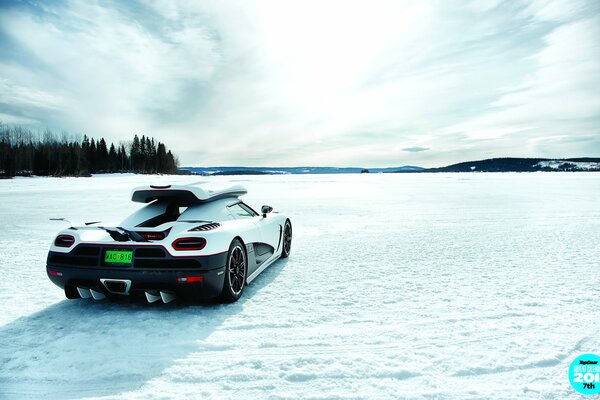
(189, 241)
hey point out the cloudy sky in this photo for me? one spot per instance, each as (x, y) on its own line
(339, 83)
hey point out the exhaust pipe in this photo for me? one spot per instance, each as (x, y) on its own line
(84, 293)
(152, 297)
(116, 286)
(167, 297)
(97, 295)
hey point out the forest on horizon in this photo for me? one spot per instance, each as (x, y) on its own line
(24, 152)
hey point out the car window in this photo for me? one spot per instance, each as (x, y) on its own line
(153, 215)
(248, 208)
(240, 212)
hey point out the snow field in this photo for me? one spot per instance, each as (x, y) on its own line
(420, 286)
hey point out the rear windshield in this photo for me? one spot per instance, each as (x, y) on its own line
(171, 212)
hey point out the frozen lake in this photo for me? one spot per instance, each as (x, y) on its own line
(462, 286)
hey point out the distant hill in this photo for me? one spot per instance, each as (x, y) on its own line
(292, 170)
(522, 165)
(240, 172)
(489, 165)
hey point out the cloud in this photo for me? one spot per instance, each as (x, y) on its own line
(11, 93)
(558, 97)
(280, 83)
(109, 72)
(415, 149)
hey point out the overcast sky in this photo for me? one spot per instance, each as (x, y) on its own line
(337, 83)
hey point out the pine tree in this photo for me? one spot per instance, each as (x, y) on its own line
(123, 159)
(171, 167)
(102, 156)
(113, 160)
(148, 156)
(143, 154)
(135, 153)
(92, 157)
(84, 161)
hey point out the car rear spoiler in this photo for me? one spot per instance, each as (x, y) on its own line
(185, 194)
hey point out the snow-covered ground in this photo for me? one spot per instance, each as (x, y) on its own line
(399, 286)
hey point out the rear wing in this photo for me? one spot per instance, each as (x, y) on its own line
(186, 194)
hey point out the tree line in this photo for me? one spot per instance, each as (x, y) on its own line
(25, 152)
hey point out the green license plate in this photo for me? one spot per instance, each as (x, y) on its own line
(118, 256)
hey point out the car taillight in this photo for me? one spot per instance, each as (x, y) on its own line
(189, 244)
(64, 241)
(190, 279)
(152, 235)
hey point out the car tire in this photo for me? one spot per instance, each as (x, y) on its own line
(236, 271)
(287, 239)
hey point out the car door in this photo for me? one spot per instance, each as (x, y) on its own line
(269, 226)
(259, 251)
(271, 230)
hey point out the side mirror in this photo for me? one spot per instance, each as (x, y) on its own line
(265, 210)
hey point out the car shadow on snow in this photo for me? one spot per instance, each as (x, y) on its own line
(82, 348)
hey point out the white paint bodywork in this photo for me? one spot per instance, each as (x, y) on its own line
(253, 230)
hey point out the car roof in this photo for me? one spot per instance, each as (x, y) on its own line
(186, 194)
